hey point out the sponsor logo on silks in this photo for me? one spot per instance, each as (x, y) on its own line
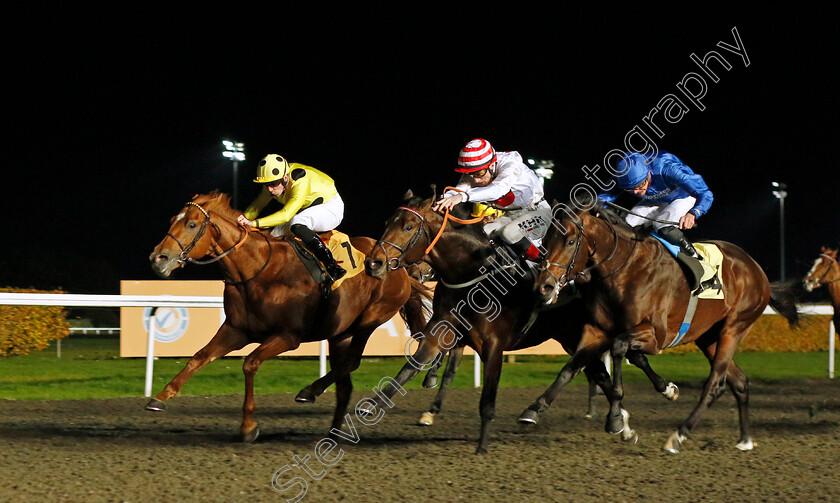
(170, 322)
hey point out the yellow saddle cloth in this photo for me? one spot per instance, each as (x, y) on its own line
(712, 260)
(351, 259)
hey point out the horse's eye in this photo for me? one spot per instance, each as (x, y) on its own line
(408, 227)
(191, 225)
(570, 242)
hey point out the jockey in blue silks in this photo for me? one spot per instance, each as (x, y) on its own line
(670, 191)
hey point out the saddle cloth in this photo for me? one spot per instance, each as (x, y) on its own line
(700, 271)
(345, 255)
(713, 258)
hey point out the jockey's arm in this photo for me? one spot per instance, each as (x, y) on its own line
(298, 192)
(254, 209)
(497, 189)
(678, 175)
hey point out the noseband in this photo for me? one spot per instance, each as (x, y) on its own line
(185, 250)
(828, 269)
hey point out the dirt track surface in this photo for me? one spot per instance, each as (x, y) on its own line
(113, 450)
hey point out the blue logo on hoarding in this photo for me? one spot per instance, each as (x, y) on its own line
(170, 322)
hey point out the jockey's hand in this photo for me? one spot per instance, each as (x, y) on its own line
(447, 203)
(687, 220)
(244, 222)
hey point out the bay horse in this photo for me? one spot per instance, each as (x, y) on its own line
(478, 302)
(826, 272)
(270, 298)
(638, 297)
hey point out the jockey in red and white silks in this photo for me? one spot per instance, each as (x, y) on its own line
(503, 181)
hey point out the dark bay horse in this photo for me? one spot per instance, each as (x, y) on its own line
(826, 272)
(478, 302)
(271, 299)
(638, 297)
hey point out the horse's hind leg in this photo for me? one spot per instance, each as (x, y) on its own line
(740, 387)
(720, 361)
(354, 357)
(455, 354)
(227, 339)
(341, 356)
(668, 389)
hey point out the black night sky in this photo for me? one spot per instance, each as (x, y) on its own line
(116, 118)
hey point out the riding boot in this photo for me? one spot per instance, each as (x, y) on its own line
(676, 237)
(315, 245)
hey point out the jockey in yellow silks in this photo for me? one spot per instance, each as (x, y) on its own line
(311, 204)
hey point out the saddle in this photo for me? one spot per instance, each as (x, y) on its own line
(351, 259)
(703, 275)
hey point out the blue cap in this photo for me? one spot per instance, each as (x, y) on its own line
(633, 169)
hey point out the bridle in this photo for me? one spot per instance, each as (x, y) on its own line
(183, 257)
(395, 263)
(563, 280)
(828, 269)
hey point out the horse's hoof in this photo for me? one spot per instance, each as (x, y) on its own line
(251, 436)
(745, 445)
(305, 396)
(590, 413)
(430, 381)
(156, 405)
(672, 392)
(628, 434)
(366, 410)
(480, 450)
(674, 443)
(529, 416)
(427, 419)
(614, 424)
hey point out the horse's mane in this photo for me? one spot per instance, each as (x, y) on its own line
(217, 202)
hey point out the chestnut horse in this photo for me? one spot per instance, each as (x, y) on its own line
(826, 272)
(271, 299)
(478, 302)
(638, 296)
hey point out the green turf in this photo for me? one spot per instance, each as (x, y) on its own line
(90, 367)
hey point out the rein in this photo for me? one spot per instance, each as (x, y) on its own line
(183, 257)
(564, 280)
(397, 262)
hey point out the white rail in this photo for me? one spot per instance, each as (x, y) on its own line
(155, 301)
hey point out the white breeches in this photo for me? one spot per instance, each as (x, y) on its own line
(671, 212)
(517, 224)
(320, 218)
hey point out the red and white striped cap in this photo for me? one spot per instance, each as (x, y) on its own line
(475, 156)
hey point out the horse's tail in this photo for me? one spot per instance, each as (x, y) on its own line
(783, 300)
(417, 309)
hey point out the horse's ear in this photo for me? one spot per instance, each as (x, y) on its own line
(434, 192)
(823, 249)
(408, 195)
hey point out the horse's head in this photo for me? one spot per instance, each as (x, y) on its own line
(822, 269)
(189, 236)
(567, 252)
(405, 239)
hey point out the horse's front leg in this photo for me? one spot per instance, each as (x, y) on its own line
(227, 339)
(668, 389)
(492, 356)
(272, 346)
(455, 355)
